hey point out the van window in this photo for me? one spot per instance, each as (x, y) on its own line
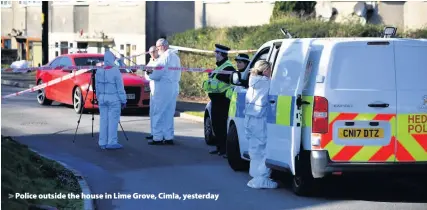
(411, 67)
(262, 55)
(362, 67)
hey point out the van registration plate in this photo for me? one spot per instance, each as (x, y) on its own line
(360, 133)
(130, 96)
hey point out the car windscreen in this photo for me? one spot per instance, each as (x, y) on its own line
(88, 61)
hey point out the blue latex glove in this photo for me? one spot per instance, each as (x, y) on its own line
(123, 106)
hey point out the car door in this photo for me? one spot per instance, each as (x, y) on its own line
(54, 72)
(284, 120)
(237, 104)
(411, 77)
(65, 87)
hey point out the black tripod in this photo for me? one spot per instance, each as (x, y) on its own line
(93, 101)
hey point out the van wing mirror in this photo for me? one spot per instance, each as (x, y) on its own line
(235, 78)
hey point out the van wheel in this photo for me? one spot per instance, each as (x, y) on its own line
(233, 151)
(41, 95)
(303, 183)
(209, 137)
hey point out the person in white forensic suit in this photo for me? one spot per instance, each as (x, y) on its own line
(166, 82)
(256, 109)
(154, 56)
(111, 96)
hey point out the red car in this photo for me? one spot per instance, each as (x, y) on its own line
(74, 90)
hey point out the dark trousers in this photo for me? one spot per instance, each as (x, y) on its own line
(219, 116)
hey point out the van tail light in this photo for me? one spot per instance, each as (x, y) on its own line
(320, 115)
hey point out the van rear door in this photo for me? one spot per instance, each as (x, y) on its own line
(411, 77)
(361, 94)
(284, 120)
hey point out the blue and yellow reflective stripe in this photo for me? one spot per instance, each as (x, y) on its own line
(240, 105)
(233, 103)
(280, 113)
(307, 111)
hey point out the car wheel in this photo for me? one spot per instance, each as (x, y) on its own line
(78, 100)
(209, 137)
(233, 151)
(41, 96)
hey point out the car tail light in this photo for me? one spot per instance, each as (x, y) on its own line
(320, 115)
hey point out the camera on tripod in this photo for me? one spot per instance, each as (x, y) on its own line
(94, 100)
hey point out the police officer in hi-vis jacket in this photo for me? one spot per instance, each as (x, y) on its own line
(216, 87)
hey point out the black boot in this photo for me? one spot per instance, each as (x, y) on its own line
(213, 152)
(149, 137)
(170, 142)
(152, 142)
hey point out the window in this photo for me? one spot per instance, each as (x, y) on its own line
(30, 3)
(65, 61)
(122, 47)
(99, 47)
(6, 43)
(6, 3)
(88, 61)
(128, 53)
(71, 45)
(64, 48)
(133, 47)
(56, 53)
(362, 68)
(55, 62)
(262, 55)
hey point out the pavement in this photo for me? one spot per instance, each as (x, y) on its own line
(183, 168)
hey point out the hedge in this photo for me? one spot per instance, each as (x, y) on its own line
(243, 38)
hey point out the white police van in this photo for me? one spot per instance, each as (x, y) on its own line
(338, 105)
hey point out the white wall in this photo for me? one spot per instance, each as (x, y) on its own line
(119, 39)
(232, 13)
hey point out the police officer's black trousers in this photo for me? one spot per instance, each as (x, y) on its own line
(219, 116)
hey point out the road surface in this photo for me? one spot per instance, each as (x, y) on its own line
(184, 168)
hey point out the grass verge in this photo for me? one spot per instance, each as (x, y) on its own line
(24, 171)
(197, 114)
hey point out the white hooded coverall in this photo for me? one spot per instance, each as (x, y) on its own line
(152, 63)
(111, 94)
(165, 95)
(256, 110)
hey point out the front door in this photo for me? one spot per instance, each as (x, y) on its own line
(65, 87)
(284, 120)
(411, 77)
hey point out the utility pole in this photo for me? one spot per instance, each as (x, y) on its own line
(45, 32)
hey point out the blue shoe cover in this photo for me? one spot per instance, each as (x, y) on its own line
(114, 146)
(103, 146)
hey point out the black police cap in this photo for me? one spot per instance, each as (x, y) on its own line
(242, 57)
(221, 48)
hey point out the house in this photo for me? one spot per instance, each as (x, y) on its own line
(130, 27)
(405, 15)
(21, 29)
